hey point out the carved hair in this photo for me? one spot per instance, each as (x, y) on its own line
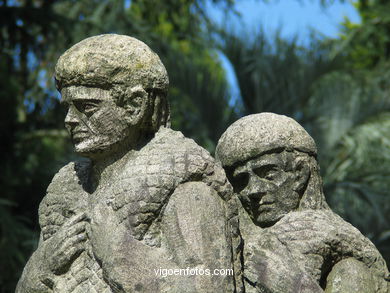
(312, 195)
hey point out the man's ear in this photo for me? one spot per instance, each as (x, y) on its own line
(135, 104)
(301, 170)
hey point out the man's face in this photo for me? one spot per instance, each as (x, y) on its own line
(94, 121)
(265, 188)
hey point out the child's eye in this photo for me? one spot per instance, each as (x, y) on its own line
(267, 172)
(270, 175)
(240, 181)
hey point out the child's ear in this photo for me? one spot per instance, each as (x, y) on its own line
(302, 173)
(135, 104)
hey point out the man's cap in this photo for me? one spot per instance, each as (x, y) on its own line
(111, 59)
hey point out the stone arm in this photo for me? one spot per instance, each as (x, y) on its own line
(53, 256)
(197, 235)
(194, 236)
(33, 278)
(350, 275)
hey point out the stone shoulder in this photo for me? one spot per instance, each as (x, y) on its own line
(209, 171)
(74, 174)
(188, 160)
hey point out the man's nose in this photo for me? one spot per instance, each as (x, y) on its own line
(71, 119)
(256, 186)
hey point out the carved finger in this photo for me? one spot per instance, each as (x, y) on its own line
(76, 229)
(75, 251)
(76, 242)
(71, 242)
(77, 218)
(75, 239)
(64, 257)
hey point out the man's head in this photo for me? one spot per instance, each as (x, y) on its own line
(271, 162)
(115, 87)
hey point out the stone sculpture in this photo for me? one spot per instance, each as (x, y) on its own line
(146, 199)
(293, 242)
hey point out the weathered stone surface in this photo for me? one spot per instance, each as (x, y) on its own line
(292, 241)
(146, 198)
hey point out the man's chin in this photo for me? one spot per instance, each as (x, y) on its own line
(96, 149)
(267, 221)
(85, 150)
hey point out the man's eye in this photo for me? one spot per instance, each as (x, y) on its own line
(86, 107)
(266, 172)
(240, 181)
(89, 107)
(270, 175)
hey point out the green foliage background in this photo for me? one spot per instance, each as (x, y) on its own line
(337, 89)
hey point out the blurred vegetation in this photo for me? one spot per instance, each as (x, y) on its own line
(337, 89)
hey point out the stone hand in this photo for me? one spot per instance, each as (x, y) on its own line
(66, 244)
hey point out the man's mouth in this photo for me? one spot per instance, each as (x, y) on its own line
(263, 206)
(79, 135)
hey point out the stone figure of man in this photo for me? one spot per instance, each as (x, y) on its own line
(146, 199)
(293, 242)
